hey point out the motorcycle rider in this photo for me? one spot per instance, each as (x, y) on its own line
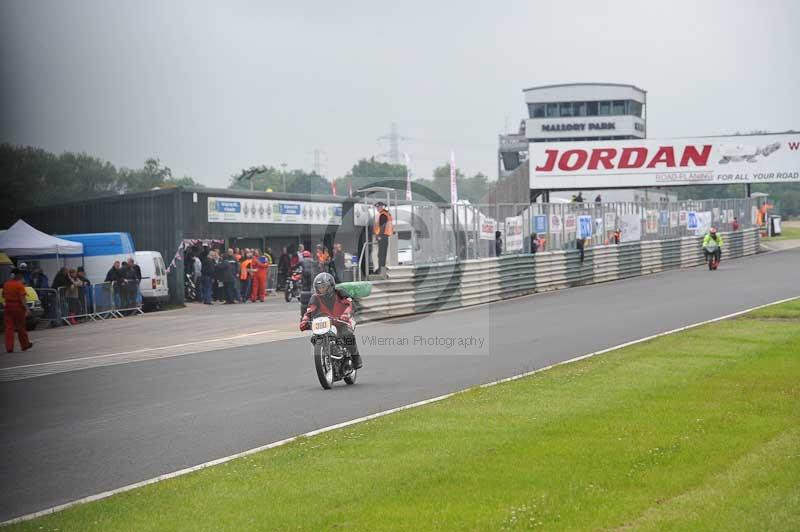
(712, 237)
(306, 281)
(326, 300)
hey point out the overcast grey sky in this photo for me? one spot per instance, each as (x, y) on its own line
(213, 87)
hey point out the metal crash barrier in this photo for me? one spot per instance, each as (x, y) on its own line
(71, 305)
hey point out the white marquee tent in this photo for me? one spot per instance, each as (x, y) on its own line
(22, 240)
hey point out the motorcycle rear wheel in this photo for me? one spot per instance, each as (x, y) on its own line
(323, 363)
(287, 295)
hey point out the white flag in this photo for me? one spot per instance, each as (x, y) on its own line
(453, 186)
(408, 176)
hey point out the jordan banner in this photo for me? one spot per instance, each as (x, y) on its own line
(668, 162)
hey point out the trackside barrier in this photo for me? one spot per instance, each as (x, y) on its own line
(103, 299)
(74, 303)
(93, 302)
(419, 289)
(127, 298)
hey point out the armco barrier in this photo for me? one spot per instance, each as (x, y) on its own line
(416, 290)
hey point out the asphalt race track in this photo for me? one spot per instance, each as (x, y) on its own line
(70, 435)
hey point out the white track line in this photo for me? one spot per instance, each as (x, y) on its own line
(143, 350)
(280, 443)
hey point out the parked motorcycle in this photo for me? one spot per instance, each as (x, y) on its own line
(293, 285)
(331, 357)
(190, 290)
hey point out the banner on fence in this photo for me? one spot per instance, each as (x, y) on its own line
(488, 227)
(631, 227)
(555, 223)
(584, 226)
(691, 220)
(610, 221)
(514, 233)
(673, 219)
(539, 223)
(570, 223)
(651, 222)
(683, 218)
(704, 222)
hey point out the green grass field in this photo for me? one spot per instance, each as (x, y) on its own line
(694, 431)
(788, 232)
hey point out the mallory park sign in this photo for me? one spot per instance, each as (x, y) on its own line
(669, 162)
(591, 126)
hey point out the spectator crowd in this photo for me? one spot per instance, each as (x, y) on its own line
(239, 275)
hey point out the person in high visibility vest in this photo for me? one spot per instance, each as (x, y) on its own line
(383, 228)
(15, 310)
(260, 265)
(246, 277)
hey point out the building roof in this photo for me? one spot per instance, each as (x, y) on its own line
(583, 85)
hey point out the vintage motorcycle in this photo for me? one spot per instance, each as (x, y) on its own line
(331, 357)
(711, 255)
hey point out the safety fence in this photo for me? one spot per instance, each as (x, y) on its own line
(443, 232)
(69, 305)
(427, 288)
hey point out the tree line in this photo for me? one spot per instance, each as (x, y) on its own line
(31, 177)
(365, 173)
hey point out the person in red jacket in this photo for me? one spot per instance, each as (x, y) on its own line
(328, 302)
(15, 311)
(259, 265)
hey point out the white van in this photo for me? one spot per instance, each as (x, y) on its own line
(153, 286)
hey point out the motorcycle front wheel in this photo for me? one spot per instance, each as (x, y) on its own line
(287, 294)
(323, 363)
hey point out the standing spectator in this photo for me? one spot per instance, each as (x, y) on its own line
(134, 282)
(15, 311)
(60, 278)
(383, 229)
(338, 262)
(300, 249)
(125, 291)
(39, 279)
(581, 245)
(86, 296)
(598, 199)
(207, 271)
(307, 281)
(114, 276)
(72, 294)
(498, 243)
(230, 272)
(616, 236)
(260, 267)
(579, 198)
(268, 255)
(219, 277)
(246, 277)
(735, 224)
(534, 243)
(26, 273)
(322, 258)
(284, 263)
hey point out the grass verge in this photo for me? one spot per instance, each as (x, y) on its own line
(787, 233)
(695, 431)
